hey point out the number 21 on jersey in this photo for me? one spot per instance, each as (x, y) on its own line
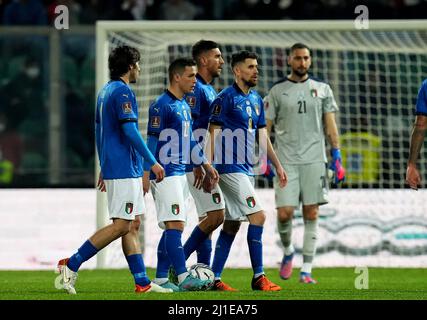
(302, 107)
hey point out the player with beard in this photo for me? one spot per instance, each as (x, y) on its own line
(302, 110)
(210, 205)
(121, 152)
(237, 117)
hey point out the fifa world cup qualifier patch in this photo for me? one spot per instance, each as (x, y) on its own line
(155, 121)
(251, 202)
(191, 100)
(216, 110)
(127, 107)
(175, 209)
(129, 207)
(216, 197)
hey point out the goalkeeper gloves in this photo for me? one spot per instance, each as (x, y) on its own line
(336, 166)
(267, 169)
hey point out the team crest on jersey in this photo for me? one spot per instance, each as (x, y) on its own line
(313, 93)
(191, 100)
(127, 107)
(251, 202)
(129, 207)
(216, 197)
(175, 209)
(249, 111)
(155, 122)
(216, 110)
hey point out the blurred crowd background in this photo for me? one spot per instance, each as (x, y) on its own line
(16, 12)
(47, 84)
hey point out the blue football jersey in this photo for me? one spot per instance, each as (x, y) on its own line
(170, 121)
(421, 106)
(116, 104)
(239, 115)
(200, 103)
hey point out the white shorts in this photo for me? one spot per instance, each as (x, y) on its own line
(125, 198)
(205, 202)
(170, 197)
(239, 194)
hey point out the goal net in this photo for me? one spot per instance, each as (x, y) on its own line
(374, 74)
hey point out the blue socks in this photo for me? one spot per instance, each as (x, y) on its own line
(204, 252)
(137, 268)
(255, 247)
(175, 251)
(84, 253)
(163, 261)
(194, 241)
(222, 249)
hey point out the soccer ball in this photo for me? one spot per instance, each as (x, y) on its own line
(203, 272)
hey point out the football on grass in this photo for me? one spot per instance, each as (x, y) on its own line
(202, 271)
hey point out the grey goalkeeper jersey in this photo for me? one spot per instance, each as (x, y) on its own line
(296, 109)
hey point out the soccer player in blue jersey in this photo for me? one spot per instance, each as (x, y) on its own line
(120, 150)
(171, 140)
(237, 118)
(413, 177)
(210, 206)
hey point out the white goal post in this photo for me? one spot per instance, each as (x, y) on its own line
(374, 73)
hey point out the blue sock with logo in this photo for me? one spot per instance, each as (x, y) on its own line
(194, 241)
(222, 249)
(204, 252)
(175, 250)
(163, 261)
(255, 247)
(84, 253)
(137, 268)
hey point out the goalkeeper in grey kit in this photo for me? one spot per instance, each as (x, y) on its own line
(302, 110)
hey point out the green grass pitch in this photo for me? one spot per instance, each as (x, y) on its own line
(334, 284)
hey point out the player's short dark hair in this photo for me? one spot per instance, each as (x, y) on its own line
(299, 45)
(120, 59)
(178, 66)
(202, 46)
(241, 56)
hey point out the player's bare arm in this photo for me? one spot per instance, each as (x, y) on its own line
(214, 129)
(101, 183)
(212, 176)
(271, 154)
(158, 171)
(146, 182)
(199, 175)
(331, 130)
(269, 127)
(211, 173)
(413, 177)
